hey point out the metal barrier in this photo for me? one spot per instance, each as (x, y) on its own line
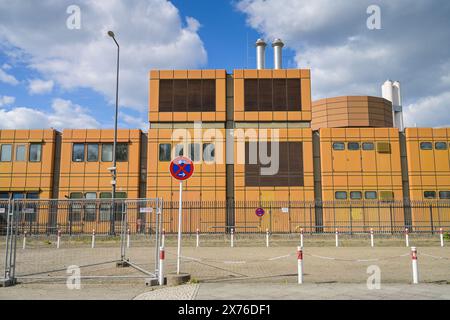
(92, 235)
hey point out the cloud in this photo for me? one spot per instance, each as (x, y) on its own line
(346, 58)
(151, 34)
(6, 100)
(64, 114)
(38, 86)
(429, 112)
(8, 78)
(135, 122)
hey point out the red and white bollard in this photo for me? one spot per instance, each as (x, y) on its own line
(93, 239)
(24, 245)
(163, 237)
(58, 241)
(198, 238)
(300, 264)
(232, 237)
(337, 238)
(371, 238)
(415, 271)
(162, 256)
(441, 235)
(267, 238)
(407, 237)
(128, 237)
(301, 237)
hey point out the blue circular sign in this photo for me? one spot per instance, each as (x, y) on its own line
(181, 168)
(260, 212)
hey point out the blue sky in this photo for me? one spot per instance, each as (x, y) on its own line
(51, 76)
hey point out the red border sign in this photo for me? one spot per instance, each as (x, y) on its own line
(260, 212)
(181, 168)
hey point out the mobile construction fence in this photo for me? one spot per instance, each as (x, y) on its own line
(49, 239)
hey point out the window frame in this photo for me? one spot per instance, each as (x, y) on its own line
(169, 154)
(340, 192)
(333, 145)
(364, 144)
(87, 152)
(421, 144)
(73, 152)
(445, 191)
(213, 152)
(367, 192)
(126, 153)
(429, 192)
(356, 192)
(39, 153)
(103, 150)
(441, 142)
(353, 143)
(24, 146)
(10, 152)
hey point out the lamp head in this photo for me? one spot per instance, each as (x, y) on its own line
(111, 34)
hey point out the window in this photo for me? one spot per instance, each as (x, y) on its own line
(33, 195)
(444, 195)
(340, 195)
(164, 152)
(5, 153)
(76, 207)
(338, 146)
(429, 194)
(18, 195)
(35, 152)
(383, 147)
(122, 152)
(426, 146)
(353, 146)
(20, 152)
(208, 152)
(370, 195)
(105, 207)
(78, 152)
(107, 152)
(356, 195)
(194, 151)
(179, 150)
(440, 145)
(92, 152)
(90, 211)
(4, 195)
(386, 195)
(368, 146)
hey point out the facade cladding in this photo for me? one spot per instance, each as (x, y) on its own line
(342, 148)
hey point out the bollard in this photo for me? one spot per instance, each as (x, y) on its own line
(267, 238)
(300, 264)
(58, 242)
(407, 237)
(441, 235)
(415, 270)
(161, 265)
(24, 240)
(371, 238)
(128, 238)
(232, 237)
(301, 238)
(337, 238)
(198, 238)
(163, 237)
(93, 239)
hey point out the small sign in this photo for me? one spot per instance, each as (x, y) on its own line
(146, 210)
(259, 212)
(181, 168)
(285, 210)
(2, 210)
(28, 210)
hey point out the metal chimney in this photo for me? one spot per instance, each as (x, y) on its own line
(260, 54)
(391, 91)
(277, 45)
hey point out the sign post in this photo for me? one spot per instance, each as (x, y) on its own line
(181, 168)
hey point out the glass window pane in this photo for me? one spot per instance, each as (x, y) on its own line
(92, 152)
(340, 195)
(194, 151)
(35, 152)
(18, 195)
(208, 152)
(368, 146)
(444, 194)
(76, 195)
(121, 195)
(20, 153)
(78, 152)
(356, 195)
(105, 195)
(33, 195)
(107, 152)
(179, 150)
(426, 146)
(429, 194)
(441, 145)
(164, 152)
(5, 154)
(122, 152)
(353, 146)
(4, 195)
(370, 195)
(338, 146)
(90, 212)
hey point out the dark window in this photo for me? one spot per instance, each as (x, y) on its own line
(164, 152)
(370, 195)
(194, 151)
(208, 152)
(78, 152)
(179, 150)
(33, 195)
(251, 94)
(92, 152)
(76, 208)
(340, 195)
(35, 152)
(5, 152)
(166, 95)
(338, 146)
(368, 146)
(290, 167)
(279, 95)
(356, 195)
(293, 95)
(4, 195)
(429, 194)
(426, 146)
(195, 95)
(180, 93)
(440, 145)
(265, 95)
(90, 211)
(208, 95)
(122, 152)
(444, 194)
(107, 152)
(353, 146)
(383, 147)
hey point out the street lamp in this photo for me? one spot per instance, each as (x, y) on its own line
(114, 167)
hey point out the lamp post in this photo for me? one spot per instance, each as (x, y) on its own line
(114, 167)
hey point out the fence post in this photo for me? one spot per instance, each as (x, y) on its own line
(415, 270)
(337, 238)
(128, 238)
(301, 237)
(441, 235)
(371, 238)
(407, 237)
(93, 239)
(267, 238)
(351, 221)
(198, 238)
(163, 237)
(390, 213)
(431, 218)
(58, 241)
(161, 266)
(300, 264)
(232, 237)
(25, 240)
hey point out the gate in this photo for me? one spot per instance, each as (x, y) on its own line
(45, 239)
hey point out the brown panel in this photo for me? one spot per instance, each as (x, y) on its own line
(165, 95)
(251, 95)
(194, 96)
(279, 95)
(180, 95)
(208, 95)
(265, 95)
(293, 95)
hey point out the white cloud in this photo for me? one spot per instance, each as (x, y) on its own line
(65, 114)
(6, 66)
(8, 78)
(429, 111)
(6, 100)
(135, 122)
(151, 34)
(38, 86)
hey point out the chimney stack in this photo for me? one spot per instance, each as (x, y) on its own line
(260, 54)
(391, 91)
(277, 45)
